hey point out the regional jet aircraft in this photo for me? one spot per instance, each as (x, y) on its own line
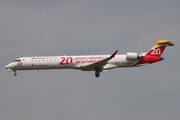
(97, 63)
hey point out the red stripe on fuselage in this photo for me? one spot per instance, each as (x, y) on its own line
(148, 60)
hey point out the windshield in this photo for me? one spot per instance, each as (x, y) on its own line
(16, 60)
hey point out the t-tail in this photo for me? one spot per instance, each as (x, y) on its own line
(154, 54)
(159, 47)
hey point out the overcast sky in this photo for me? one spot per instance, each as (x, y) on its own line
(80, 27)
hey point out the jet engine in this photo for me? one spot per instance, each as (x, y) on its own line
(133, 56)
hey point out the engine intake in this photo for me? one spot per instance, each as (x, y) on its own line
(133, 56)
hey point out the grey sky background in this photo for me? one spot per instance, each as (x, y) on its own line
(80, 27)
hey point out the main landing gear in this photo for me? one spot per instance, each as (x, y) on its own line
(97, 72)
(15, 74)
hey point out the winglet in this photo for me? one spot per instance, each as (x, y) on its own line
(113, 55)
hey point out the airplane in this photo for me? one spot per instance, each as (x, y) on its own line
(97, 63)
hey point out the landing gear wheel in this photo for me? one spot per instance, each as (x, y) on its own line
(97, 73)
(15, 74)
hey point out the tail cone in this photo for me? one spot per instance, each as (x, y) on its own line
(161, 58)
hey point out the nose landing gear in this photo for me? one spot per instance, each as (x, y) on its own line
(15, 74)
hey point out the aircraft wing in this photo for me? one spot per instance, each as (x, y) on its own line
(98, 64)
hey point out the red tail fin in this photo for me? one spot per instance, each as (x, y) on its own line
(156, 51)
(154, 54)
(159, 47)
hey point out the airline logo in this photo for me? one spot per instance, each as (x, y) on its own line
(157, 51)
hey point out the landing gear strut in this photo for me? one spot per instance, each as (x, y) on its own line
(15, 74)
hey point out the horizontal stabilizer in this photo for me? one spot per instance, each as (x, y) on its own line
(164, 42)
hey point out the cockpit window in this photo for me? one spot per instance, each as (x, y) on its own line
(16, 60)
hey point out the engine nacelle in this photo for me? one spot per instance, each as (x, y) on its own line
(133, 56)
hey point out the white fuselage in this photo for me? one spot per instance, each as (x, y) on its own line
(68, 62)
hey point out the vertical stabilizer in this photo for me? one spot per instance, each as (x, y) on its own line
(154, 54)
(159, 47)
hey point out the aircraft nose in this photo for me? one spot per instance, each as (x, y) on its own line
(8, 66)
